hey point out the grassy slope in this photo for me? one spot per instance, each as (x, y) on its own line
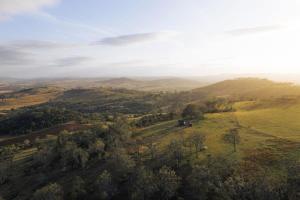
(269, 133)
(246, 88)
(281, 121)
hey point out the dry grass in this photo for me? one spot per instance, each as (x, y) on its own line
(27, 100)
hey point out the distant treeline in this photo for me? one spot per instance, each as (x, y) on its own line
(154, 118)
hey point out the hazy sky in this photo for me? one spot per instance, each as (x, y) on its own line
(50, 38)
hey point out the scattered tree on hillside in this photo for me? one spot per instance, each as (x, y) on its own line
(233, 137)
(197, 141)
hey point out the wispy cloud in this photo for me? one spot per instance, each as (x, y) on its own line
(10, 8)
(13, 56)
(71, 61)
(36, 44)
(123, 40)
(72, 24)
(253, 30)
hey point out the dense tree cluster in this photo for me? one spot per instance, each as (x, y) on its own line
(217, 105)
(28, 120)
(148, 120)
(192, 112)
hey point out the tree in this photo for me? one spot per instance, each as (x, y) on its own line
(168, 183)
(175, 150)
(80, 157)
(73, 156)
(233, 137)
(144, 185)
(152, 149)
(191, 111)
(5, 172)
(78, 190)
(97, 147)
(104, 186)
(197, 141)
(46, 155)
(53, 191)
(120, 164)
(203, 184)
(62, 138)
(293, 181)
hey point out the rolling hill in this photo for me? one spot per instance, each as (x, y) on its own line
(246, 88)
(27, 97)
(265, 115)
(164, 84)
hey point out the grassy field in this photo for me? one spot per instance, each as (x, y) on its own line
(281, 122)
(270, 133)
(25, 100)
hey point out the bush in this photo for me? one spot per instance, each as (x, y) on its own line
(52, 191)
(168, 183)
(120, 164)
(144, 185)
(97, 147)
(78, 190)
(104, 186)
(74, 156)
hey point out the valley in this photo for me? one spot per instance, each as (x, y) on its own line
(143, 127)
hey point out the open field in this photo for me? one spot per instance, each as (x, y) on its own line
(24, 99)
(274, 130)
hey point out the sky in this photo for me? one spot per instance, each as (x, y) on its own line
(96, 38)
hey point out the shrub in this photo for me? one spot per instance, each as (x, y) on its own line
(52, 191)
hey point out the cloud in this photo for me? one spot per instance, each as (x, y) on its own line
(36, 44)
(9, 8)
(71, 61)
(123, 40)
(253, 30)
(72, 24)
(13, 56)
